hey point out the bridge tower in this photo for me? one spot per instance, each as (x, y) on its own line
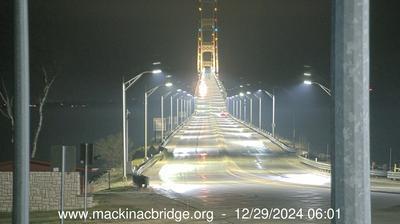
(207, 49)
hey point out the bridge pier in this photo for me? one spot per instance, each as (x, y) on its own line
(350, 70)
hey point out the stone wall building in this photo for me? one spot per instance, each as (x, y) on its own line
(45, 188)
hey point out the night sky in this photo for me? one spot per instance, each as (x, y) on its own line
(90, 45)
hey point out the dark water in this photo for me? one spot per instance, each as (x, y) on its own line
(67, 125)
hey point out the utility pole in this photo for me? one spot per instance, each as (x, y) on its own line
(240, 109)
(170, 113)
(62, 181)
(259, 112)
(390, 158)
(350, 69)
(162, 118)
(251, 111)
(124, 129)
(22, 127)
(177, 111)
(245, 110)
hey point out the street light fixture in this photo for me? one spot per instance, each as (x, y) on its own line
(157, 71)
(307, 82)
(326, 89)
(125, 86)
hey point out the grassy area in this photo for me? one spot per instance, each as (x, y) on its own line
(113, 179)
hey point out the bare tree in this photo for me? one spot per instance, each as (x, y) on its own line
(42, 100)
(6, 107)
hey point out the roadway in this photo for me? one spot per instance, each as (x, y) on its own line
(218, 164)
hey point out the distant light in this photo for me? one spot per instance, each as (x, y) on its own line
(203, 88)
(184, 92)
(307, 74)
(259, 90)
(307, 82)
(156, 71)
(179, 90)
(157, 63)
(168, 84)
(168, 76)
(248, 92)
(241, 94)
(241, 86)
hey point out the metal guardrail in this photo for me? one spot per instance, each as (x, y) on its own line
(148, 163)
(379, 173)
(327, 168)
(265, 134)
(221, 87)
(393, 175)
(154, 159)
(321, 166)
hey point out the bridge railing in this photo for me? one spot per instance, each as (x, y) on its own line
(326, 167)
(159, 156)
(393, 175)
(265, 134)
(220, 86)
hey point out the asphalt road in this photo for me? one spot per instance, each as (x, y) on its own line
(219, 164)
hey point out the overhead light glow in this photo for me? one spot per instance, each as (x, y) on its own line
(156, 71)
(168, 84)
(248, 92)
(307, 74)
(307, 82)
(202, 89)
(241, 94)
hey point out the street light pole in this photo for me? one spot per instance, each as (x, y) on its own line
(240, 109)
(146, 95)
(145, 125)
(273, 110)
(124, 137)
(259, 112)
(251, 111)
(162, 118)
(182, 110)
(273, 115)
(237, 108)
(245, 109)
(125, 86)
(171, 112)
(177, 111)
